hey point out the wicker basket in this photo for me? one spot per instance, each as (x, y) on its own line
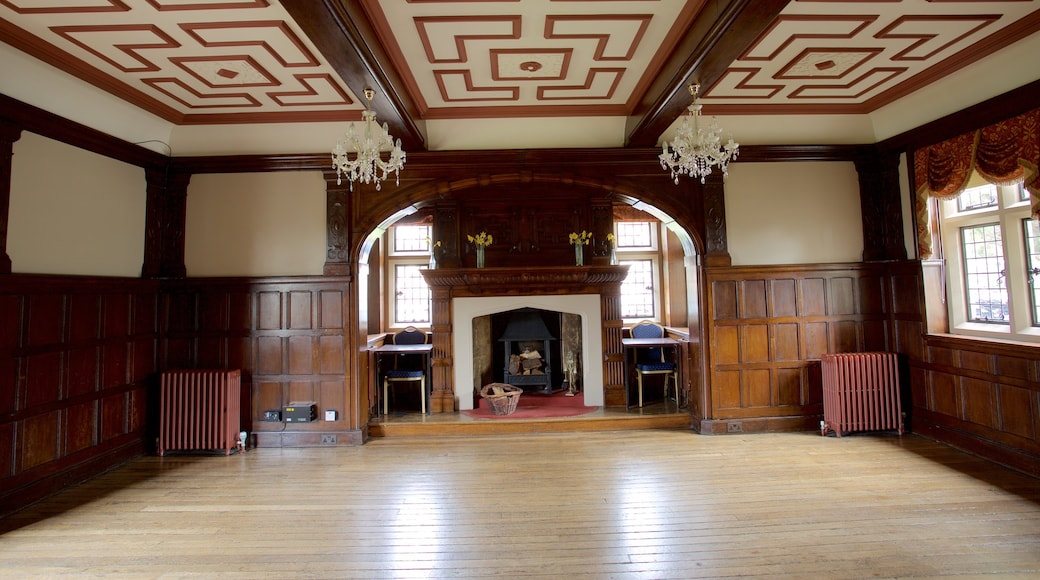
(501, 398)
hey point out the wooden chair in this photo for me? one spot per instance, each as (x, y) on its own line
(407, 368)
(651, 360)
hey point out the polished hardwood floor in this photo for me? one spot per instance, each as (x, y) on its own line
(659, 414)
(613, 504)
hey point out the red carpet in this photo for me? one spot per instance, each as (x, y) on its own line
(535, 406)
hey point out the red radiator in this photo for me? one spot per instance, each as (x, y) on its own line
(199, 410)
(860, 393)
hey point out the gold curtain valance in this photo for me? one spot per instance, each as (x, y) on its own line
(1004, 153)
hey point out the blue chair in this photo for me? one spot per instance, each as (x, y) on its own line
(651, 360)
(407, 368)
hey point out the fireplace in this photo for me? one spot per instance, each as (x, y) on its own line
(591, 294)
(529, 348)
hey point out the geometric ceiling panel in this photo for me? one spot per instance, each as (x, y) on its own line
(542, 61)
(487, 58)
(855, 56)
(188, 61)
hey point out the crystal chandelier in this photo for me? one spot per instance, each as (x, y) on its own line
(368, 165)
(695, 150)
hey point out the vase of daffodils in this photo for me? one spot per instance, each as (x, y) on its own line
(579, 241)
(480, 241)
(433, 255)
(613, 251)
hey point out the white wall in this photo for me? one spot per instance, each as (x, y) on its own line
(793, 213)
(74, 212)
(255, 224)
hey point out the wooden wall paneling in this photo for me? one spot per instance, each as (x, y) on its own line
(771, 325)
(68, 384)
(46, 319)
(42, 379)
(287, 336)
(983, 396)
(39, 440)
(80, 427)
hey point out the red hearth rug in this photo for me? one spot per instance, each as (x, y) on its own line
(534, 406)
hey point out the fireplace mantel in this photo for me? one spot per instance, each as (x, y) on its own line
(525, 281)
(448, 284)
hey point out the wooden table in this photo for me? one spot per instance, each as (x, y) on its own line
(630, 346)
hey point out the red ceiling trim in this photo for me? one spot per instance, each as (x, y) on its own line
(601, 44)
(194, 30)
(984, 20)
(70, 33)
(460, 41)
(158, 84)
(863, 20)
(112, 6)
(309, 90)
(440, 76)
(232, 5)
(593, 73)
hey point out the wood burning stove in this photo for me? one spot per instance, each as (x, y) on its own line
(528, 351)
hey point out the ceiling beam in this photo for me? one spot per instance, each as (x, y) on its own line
(722, 31)
(340, 29)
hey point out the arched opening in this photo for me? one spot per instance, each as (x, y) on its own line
(681, 275)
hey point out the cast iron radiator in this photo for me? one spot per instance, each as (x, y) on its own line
(199, 410)
(860, 393)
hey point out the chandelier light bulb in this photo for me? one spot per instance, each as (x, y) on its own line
(695, 151)
(367, 146)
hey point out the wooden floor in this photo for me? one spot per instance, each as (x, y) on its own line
(660, 414)
(616, 504)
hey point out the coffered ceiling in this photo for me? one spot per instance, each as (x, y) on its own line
(518, 73)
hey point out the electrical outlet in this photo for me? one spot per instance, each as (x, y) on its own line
(271, 415)
(328, 439)
(734, 427)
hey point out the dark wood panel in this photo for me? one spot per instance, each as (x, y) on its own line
(84, 317)
(1018, 409)
(115, 318)
(80, 427)
(46, 319)
(39, 440)
(300, 310)
(755, 299)
(42, 379)
(83, 371)
(765, 356)
(331, 309)
(81, 334)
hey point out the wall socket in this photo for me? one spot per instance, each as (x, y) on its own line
(734, 427)
(328, 439)
(271, 415)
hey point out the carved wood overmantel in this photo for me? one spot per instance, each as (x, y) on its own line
(450, 283)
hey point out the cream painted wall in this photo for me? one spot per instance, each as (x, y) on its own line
(74, 212)
(255, 224)
(793, 213)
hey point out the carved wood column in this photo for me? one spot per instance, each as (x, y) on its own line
(881, 207)
(602, 224)
(165, 215)
(9, 133)
(716, 246)
(446, 231)
(613, 351)
(443, 395)
(337, 226)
